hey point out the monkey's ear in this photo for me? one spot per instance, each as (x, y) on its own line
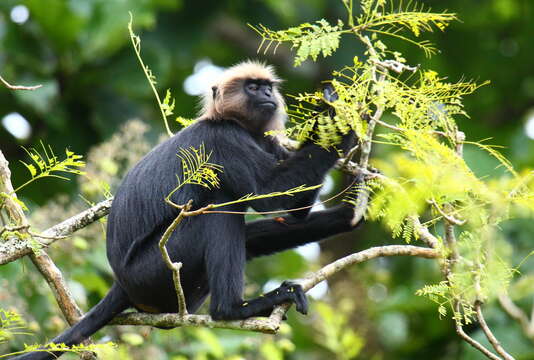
(214, 90)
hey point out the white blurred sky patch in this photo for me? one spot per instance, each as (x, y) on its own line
(17, 125)
(19, 14)
(529, 125)
(204, 74)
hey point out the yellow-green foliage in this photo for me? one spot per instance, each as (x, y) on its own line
(11, 324)
(197, 169)
(421, 100)
(47, 164)
(426, 177)
(310, 40)
(336, 334)
(51, 347)
(387, 18)
(184, 122)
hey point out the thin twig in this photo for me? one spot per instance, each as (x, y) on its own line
(448, 268)
(18, 87)
(366, 144)
(460, 331)
(489, 335)
(173, 266)
(451, 219)
(396, 66)
(350, 155)
(423, 233)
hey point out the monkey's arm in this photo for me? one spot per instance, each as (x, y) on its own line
(269, 236)
(249, 169)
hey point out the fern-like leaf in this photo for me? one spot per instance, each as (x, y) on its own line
(47, 164)
(197, 169)
(310, 40)
(185, 122)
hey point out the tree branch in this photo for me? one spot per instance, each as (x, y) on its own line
(57, 283)
(173, 266)
(271, 324)
(517, 314)
(14, 247)
(460, 331)
(42, 261)
(489, 335)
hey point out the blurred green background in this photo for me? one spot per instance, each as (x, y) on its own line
(96, 101)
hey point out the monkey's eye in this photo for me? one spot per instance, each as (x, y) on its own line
(252, 87)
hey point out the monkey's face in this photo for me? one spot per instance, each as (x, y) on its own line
(261, 103)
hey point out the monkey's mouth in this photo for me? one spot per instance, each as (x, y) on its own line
(267, 104)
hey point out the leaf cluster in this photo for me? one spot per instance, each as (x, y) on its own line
(426, 175)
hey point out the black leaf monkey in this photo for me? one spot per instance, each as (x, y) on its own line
(214, 248)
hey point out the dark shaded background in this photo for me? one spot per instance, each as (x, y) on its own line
(80, 51)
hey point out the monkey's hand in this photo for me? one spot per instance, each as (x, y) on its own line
(329, 93)
(330, 96)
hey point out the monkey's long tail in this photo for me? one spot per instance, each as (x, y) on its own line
(111, 305)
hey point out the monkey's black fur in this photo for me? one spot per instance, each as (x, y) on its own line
(212, 247)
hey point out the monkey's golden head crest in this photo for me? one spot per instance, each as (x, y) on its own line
(227, 99)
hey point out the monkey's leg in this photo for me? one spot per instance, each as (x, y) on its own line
(269, 236)
(225, 263)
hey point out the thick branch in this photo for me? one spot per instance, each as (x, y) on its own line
(44, 264)
(272, 324)
(57, 283)
(15, 248)
(175, 320)
(374, 252)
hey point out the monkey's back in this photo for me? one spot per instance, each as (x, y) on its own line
(139, 216)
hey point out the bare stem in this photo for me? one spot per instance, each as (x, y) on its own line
(451, 219)
(18, 87)
(136, 42)
(173, 266)
(489, 335)
(460, 331)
